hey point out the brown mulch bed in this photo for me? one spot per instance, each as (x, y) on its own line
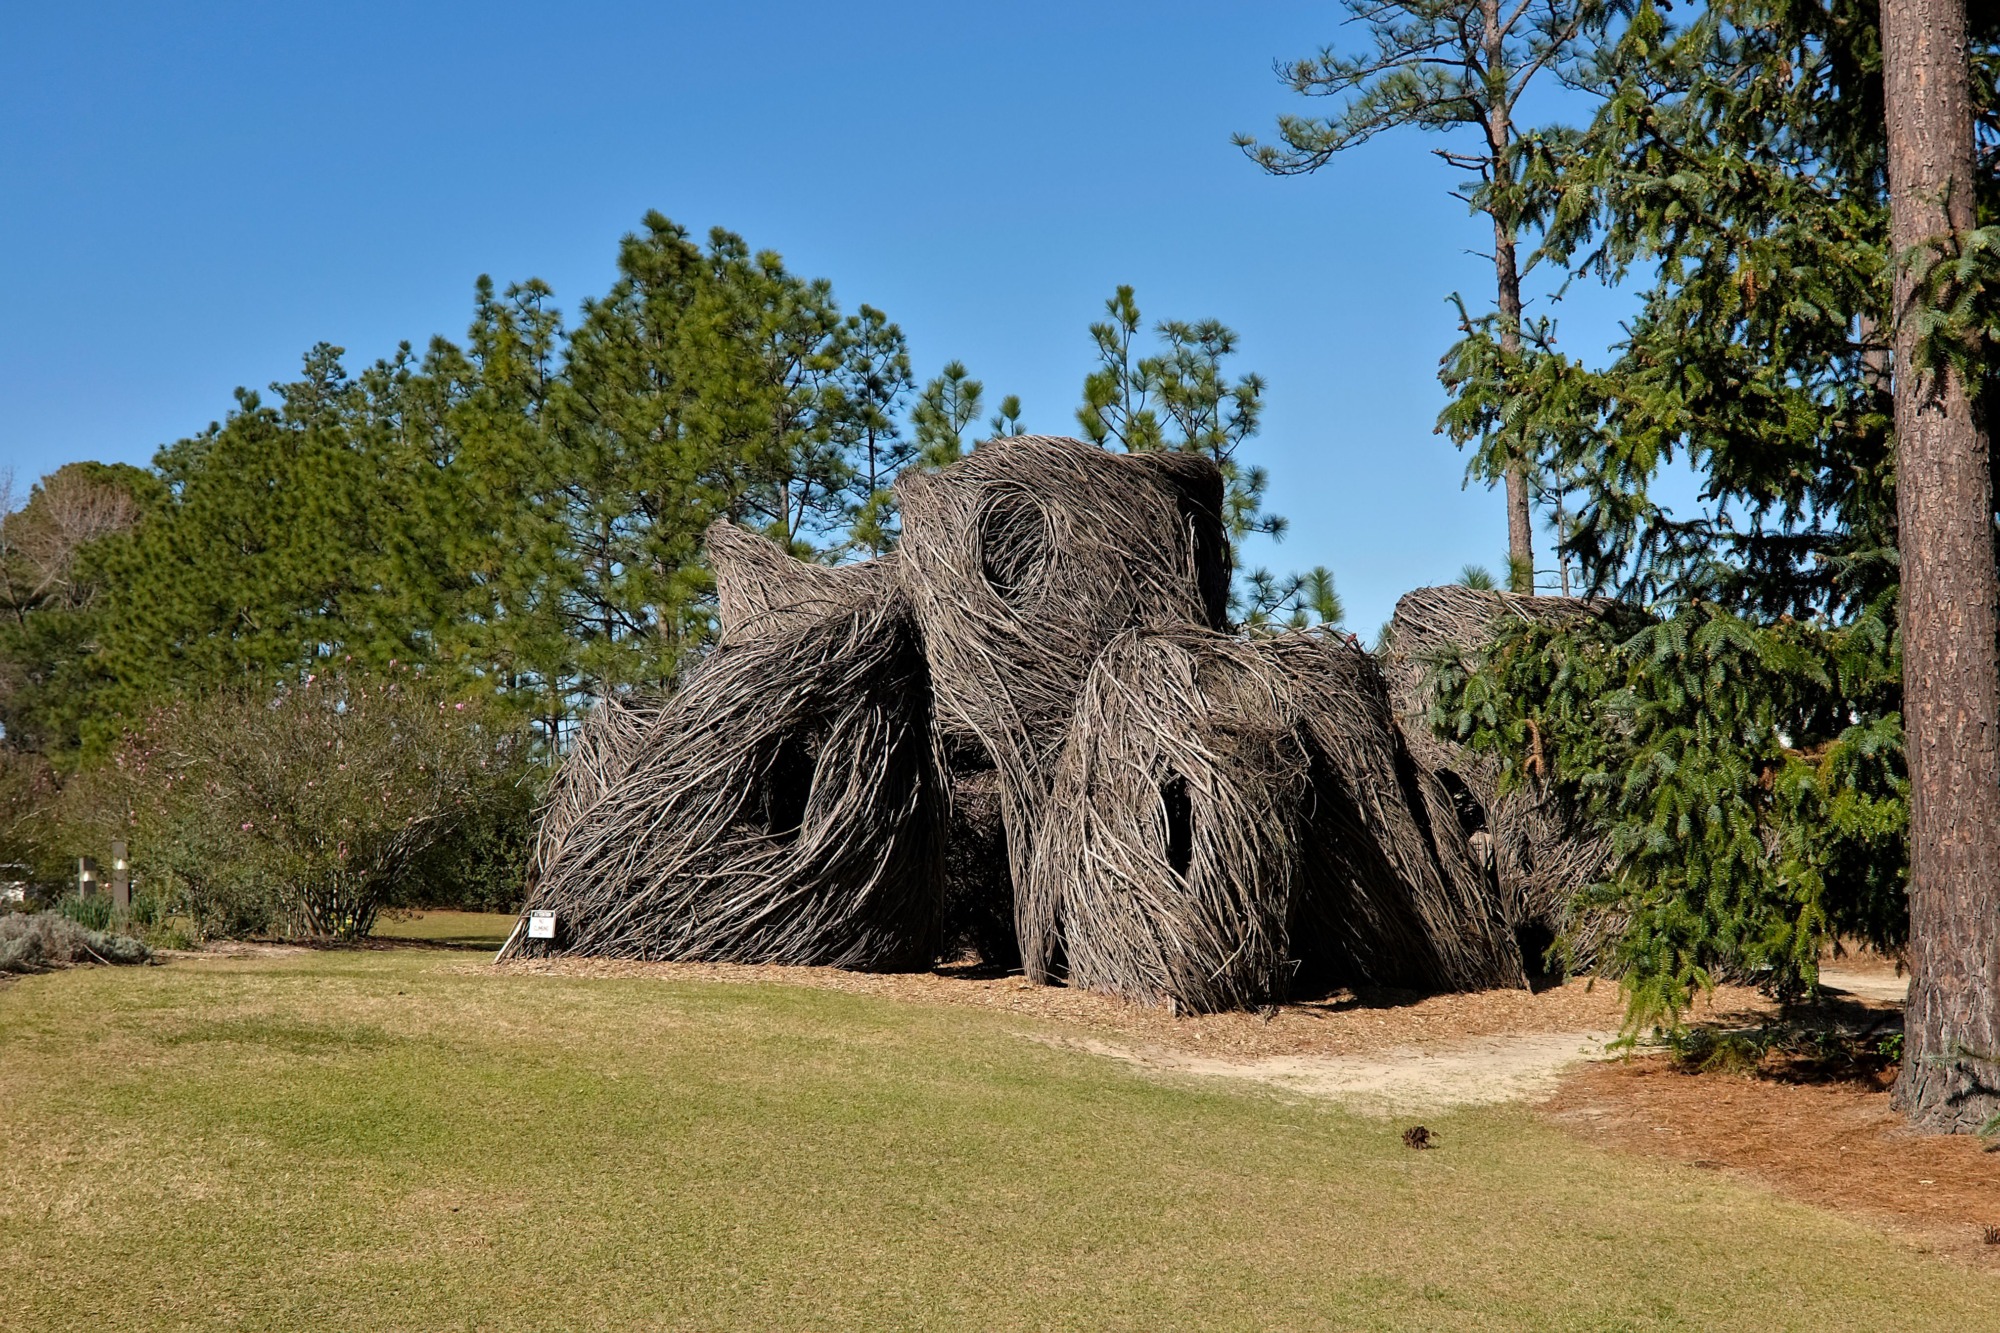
(1830, 1142)
(1346, 1023)
(1822, 1135)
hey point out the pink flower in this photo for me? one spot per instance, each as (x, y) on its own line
(458, 708)
(246, 826)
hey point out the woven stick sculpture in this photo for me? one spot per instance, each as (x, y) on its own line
(1542, 859)
(1400, 897)
(784, 807)
(761, 592)
(1168, 864)
(1024, 560)
(1026, 732)
(1229, 814)
(610, 741)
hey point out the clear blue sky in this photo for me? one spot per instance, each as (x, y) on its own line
(197, 193)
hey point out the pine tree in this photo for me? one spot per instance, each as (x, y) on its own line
(1180, 398)
(270, 553)
(945, 409)
(1446, 66)
(53, 551)
(1007, 419)
(873, 378)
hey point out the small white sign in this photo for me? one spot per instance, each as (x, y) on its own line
(541, 925)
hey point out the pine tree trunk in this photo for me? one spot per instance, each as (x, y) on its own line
(1520, 519)
(1507, 275)
(1951, 680)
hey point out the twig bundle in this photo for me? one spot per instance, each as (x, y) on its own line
(782, 807)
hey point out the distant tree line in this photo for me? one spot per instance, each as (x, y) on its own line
(509, 522)
(521, 510)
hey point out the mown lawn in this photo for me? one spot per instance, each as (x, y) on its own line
(465, 930)
(408, 1139)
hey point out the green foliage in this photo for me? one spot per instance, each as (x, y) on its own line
(1263, 601)
(1805, 1046)
(1749, 778)
(1179, 399)
(874, 379)
(53, 576)
(318, 804)
(1733, 173)
(1743, 751)
(481, 863)
(92, 913)
(1958, 305)
(1007, 421)
(1438, 65)
(522, 512)
(28, 791)
(1477, 576)
(945, 410)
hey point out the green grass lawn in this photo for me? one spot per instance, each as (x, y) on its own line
(405, 1139)
(468, 930)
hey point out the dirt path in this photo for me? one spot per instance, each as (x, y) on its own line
(1398, 1081)
(1880, 982)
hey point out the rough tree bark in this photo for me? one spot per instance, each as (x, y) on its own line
(1951, 680)
(1507, 275)
(1520, 518)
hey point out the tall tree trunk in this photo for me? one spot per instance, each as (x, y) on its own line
(1951, 680)
(1520, 518)
(1507, 275)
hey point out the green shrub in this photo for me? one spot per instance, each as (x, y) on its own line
(1748, 778)
(481, 865)
(314, 807)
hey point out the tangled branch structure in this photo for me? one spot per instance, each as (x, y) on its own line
(1028, 732)
(1541, 858)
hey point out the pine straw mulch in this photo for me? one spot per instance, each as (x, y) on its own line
(1833, 1144)
(1345, 1023)
(1821, 1136)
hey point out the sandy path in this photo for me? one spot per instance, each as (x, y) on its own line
(1871, 983)
(1399, 1081)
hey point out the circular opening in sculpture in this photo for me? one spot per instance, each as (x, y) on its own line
(1016, 542)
